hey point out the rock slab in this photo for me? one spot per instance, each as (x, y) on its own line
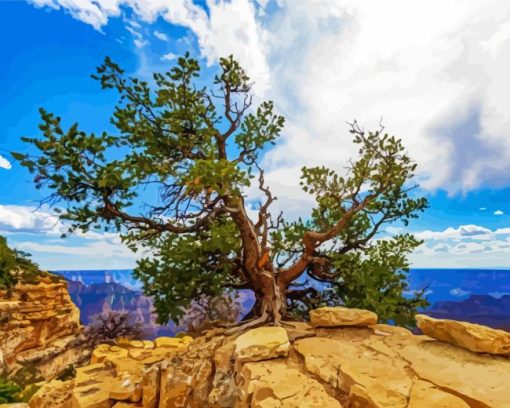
(262, 343)
(341, 316)
(472, 337)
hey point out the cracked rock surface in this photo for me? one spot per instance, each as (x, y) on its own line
(295, 365)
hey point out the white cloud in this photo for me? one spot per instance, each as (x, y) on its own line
(38, 232)
(325, 62)
(463, 231)
(169, 57)
(467, 246)
(4, 163)
(498, 212)
(229, 27)
(18, 218)
(160, 36)
(443, 90)
(79, 255)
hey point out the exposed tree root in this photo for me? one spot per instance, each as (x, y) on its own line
(264, 318)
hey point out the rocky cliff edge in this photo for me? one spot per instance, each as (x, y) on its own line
(39, 330)
(343, 358)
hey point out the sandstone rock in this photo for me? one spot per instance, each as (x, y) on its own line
(387, 330)
(341, 316)
(298, 330)
(105, 351)
(366, 376)
(172, 341)
(39, 327)
(91, 387)
(480, 380)
(262, 343)
(274, 384)
(473, 337)
(376, 366)
(425, 395)
(224, 388)
(150, 386)
(53, 394)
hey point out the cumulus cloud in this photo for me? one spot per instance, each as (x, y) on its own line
(18, 218)
(226, 28)
(4, 163)
(498, 212)
(325, 62)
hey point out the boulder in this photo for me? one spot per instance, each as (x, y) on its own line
(262, 343)
(341, 316)
(472, 337)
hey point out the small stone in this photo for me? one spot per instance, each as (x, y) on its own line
(341, 316)
(472, 337)
(136, 344)
(262, 343)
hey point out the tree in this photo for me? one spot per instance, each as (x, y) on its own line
(196, 149)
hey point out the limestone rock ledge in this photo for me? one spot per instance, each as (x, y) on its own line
(296, 365)
(39, 329)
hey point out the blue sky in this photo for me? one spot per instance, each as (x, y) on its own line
(438, 82)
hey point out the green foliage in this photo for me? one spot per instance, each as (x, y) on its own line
(8, 391)
(360, 268)
(189, 267)
(15, 265)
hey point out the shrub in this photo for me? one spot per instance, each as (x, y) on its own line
(108, 326)
(208, 312)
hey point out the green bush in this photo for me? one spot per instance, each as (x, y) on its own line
(8, 391)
